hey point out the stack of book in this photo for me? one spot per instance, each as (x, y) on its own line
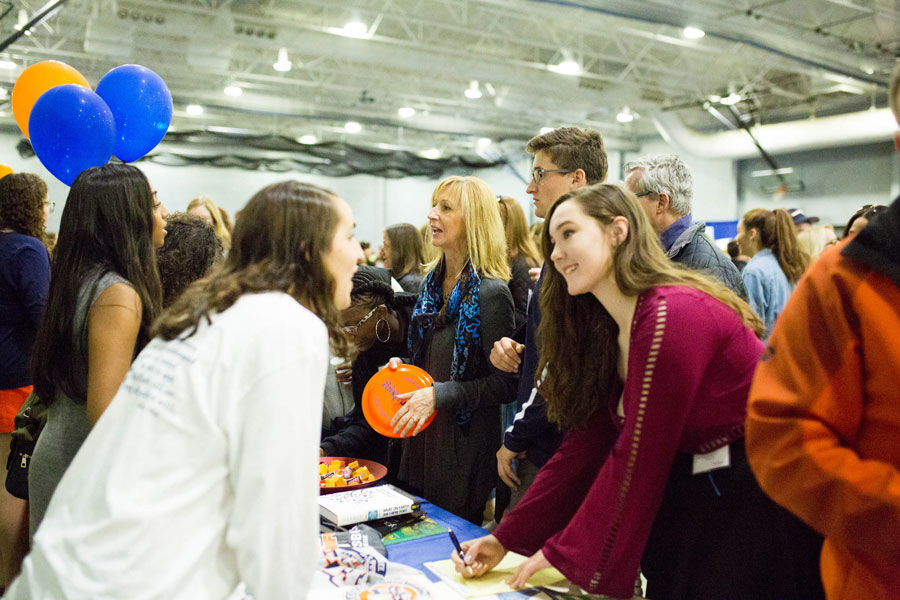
(357, 506)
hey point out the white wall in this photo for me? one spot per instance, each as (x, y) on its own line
(376, 202)
(837, 181)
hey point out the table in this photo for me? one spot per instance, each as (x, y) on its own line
(415, 553)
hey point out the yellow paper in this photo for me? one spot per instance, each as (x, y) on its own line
(494, 581)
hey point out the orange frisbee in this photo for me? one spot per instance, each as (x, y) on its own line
(379, 399)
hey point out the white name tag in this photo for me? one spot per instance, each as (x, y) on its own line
(717, 459)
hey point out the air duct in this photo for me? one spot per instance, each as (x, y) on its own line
(810, 134)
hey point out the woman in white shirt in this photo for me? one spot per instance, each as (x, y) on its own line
(201, 473)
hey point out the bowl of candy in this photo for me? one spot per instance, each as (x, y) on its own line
(341, 473)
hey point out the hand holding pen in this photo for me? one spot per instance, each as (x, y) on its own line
(476, 557)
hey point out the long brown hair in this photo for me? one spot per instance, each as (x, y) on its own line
(279, 244)
(580, 326)
(106, 225)
(406, 249)
(518, 238)
(777, 233)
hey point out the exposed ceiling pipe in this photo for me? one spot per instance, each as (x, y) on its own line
(810, 134)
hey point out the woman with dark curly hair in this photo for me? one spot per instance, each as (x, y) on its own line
(190, 249)
(24, 281)
(376, 321)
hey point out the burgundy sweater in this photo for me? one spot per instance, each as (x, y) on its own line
(591, 507)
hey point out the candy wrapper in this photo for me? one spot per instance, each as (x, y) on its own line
(353, 566)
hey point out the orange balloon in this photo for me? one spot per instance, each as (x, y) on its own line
(37, 79)
(4, 171)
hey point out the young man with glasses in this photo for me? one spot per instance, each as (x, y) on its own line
(564, 159)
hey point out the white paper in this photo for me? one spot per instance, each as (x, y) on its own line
(717, 459)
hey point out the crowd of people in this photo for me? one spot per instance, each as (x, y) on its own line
(633, 398)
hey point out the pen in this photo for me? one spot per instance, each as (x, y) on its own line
(462, 555)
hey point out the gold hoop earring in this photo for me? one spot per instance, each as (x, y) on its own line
(388, 336)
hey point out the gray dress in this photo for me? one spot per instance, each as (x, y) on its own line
(67, 422)
(450, 465)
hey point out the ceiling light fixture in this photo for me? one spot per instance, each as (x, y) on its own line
(7, 64)
(770, 172)
(566, 67)
(868, 70)
(195, 110)
(714, 98)
(283, 64)
(625, 115)
(308, 139)
(472, 92)
(356, 29)
(233, 90)
(352, 127)
(731, 99)
(21, 21)
(849, 89)
(693, 33)
(431, 153)
(484, 142)
(405, 112)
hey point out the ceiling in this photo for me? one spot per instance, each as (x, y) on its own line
(786, 60)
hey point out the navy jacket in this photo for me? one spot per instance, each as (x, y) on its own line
(531, 432)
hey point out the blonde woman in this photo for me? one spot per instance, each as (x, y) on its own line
(429, 252)
(816, 240)
(521, 250)
(206, 209)
(463, 308)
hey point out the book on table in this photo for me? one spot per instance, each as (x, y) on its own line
(356, 506)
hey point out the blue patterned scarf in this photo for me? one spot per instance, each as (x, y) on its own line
(431, 313)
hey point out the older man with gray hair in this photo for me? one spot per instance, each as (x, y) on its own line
(665, 188)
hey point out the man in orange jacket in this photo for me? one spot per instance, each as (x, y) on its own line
(823, 431)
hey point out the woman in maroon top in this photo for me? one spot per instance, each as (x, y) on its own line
(647, 366)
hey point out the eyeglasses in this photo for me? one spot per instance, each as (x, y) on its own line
(642, 194)
(537, 173)
(353, 329)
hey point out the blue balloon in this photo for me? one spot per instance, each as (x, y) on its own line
(142, 106)
(71, 130)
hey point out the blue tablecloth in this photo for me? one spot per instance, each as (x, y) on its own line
(416, 553)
